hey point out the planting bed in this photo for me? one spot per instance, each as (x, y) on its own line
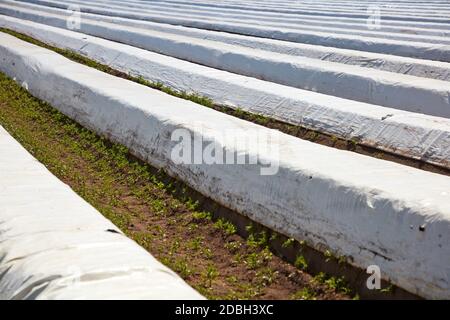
(160, 214)
(56, 246)
(311, 64)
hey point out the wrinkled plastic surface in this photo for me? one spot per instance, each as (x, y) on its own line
(399, 91)
(374, 212)
(404, 65)
(408, 134)
(409, 47)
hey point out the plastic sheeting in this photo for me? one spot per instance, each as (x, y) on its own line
(372, 211)
(387, 89)
(398, 11)
(404, 65)
(408, 134)
(326, 37)
(126, 9)
(54, 245)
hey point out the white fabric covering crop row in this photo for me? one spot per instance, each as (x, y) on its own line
(408, 134)
(404, 65)
(319, 36)
(296, 21)
(369, 210)
(397, 11)
(403, 92)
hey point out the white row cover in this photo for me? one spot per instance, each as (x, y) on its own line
(274, 20)
(404, 92)
(423, 9)
(408, 47)
(408, 134)
(277, 20)
(389, 28)
(54, 245)
(374, 212)
(393, 10)
(404, 65)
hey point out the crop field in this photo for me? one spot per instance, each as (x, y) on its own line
(256, 149)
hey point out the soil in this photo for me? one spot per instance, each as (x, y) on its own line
(155, 211)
